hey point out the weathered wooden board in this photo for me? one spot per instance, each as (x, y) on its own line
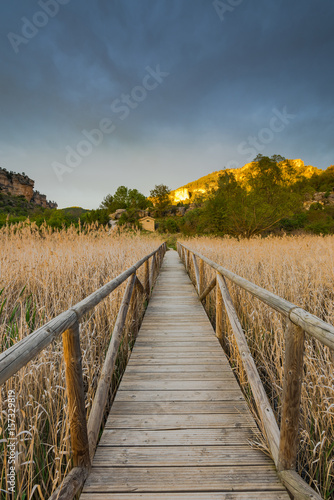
(195, 421)
(179, 456)
(137, 376)
(242, 478)
(185, 437)
(249, 495)
(226, 395)
(178, 385)
(178, 408)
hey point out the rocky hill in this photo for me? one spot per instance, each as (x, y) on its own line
(189, 191)
(12, 184)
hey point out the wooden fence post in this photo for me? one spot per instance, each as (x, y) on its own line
(76, 396)
(152, 273)
(201, 276)
(198, 283)
(147, 278)
(293, 373)
(219, 312)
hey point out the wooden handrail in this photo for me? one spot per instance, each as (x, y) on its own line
(26, 349)
(283, 443)
(311, 324)
(83, 436)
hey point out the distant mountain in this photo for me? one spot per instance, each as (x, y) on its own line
(188, 192)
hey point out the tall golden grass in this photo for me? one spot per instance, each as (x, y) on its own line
(301, 270)
(43, 273)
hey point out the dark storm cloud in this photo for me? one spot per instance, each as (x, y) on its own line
(225, 78)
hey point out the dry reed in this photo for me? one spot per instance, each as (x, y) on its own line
(301, 270)
(42, 274)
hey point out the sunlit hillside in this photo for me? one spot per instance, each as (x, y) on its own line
(189, 191)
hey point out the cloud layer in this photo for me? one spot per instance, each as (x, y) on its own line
(65, 64)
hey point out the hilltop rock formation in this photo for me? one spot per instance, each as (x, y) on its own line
(21, 185)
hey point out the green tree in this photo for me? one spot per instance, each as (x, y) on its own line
(256, 204)
(124, 198)
(160, 195)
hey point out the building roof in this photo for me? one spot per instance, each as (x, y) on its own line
(147, 217)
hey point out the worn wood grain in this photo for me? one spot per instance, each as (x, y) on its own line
(293, 374)
(76, 396)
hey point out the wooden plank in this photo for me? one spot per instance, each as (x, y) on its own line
(190, 344)
(196, 421)
(227, 395)
(249, 495)
(178, 408)
(178, 368)
(178, 437)
(176, 385)
(180, 376)
(123, 479)
(179, 456)
(178, 361)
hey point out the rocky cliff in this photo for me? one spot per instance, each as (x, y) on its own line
(21, 185)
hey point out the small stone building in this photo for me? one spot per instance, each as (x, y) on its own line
(147, 223)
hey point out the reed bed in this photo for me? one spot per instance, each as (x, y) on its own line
(43, 273)
(301, 270)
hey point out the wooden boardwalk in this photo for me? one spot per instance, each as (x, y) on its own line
(179, 428)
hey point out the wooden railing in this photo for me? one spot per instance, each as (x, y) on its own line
(283, 443)
(84, 435)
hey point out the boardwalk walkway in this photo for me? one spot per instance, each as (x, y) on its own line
(179, 428)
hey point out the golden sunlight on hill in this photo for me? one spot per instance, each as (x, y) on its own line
(188, 192)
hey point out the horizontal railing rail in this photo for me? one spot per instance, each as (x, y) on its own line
(283, 443)
(84, 435)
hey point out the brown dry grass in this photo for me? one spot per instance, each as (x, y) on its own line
(301, 270)
(42, 274)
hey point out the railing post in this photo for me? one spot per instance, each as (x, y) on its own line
(151, 280)
(76, 396)
(201, 276)
(219, 312)
(147, 277)
(198, 284)
(293, 373)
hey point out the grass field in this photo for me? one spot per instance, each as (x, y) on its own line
(42, 274)
(301, 270)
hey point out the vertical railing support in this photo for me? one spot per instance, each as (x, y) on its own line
(293, 373)
(152, 273)
(147, 278)
(219, 312)
(198, 283)
(76, 396)
(201, 276)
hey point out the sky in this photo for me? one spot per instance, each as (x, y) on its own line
(98, 94)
